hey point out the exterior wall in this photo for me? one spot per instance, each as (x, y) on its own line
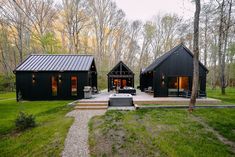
(146, 80)
(41, 90)
(178, 64)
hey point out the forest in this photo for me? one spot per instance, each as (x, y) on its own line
(100, 28)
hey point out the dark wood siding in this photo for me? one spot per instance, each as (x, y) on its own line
(41, 90)
(178, 63)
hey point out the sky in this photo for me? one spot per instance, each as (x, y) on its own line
(146, 9)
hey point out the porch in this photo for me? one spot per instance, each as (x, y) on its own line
(142, 98)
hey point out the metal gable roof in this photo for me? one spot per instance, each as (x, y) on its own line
(56, 62)
(159, 60)
(119, 64)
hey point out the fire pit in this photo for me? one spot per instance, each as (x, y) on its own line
(121, 100)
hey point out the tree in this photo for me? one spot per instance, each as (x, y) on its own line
(148, 35)
(75, 21)
(195, 57)
(224, 27)
(105, 17)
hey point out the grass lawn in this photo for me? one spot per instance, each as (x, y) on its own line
(164, 132)
(46, 139)
(9, 95)
(161, 132)
(222, 120)
(228, 98)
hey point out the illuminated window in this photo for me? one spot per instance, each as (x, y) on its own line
(54, 86)
(183, 83)
(123, 83)
(74, 85)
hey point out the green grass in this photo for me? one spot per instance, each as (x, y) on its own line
(222, 120)
(9, 95)
(46, 139)
(228, 98)
(161, 132)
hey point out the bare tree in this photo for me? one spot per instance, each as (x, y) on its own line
(132, 46)
(195, 57)
(75, 20)
(223, 38)
(105, 19)
(148, 35)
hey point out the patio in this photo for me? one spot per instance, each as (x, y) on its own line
(142, 98)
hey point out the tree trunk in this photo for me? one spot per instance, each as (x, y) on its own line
(196, 56)
(220, 44)
(205, 48)
(223, 80)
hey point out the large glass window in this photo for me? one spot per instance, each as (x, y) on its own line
(177, 85)
(183, 83)
(172, 86)
(74, 85)
(54, 85)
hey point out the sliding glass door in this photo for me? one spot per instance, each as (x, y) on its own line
(177, 85)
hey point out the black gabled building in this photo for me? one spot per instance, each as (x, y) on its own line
(55, 77)
(172, 73)
(120, 76)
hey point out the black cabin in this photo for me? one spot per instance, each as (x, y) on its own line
(172, 73)
(55, 77)
(120, 76)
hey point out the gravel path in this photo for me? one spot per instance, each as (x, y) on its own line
(76, 143)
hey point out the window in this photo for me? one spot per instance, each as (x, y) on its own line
(74, 85)
(183, 83)
(177, 85)
(54, 85)
(172, 86)
(124, 83)
(33, 79)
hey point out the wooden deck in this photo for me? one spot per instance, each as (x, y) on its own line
(142, 98)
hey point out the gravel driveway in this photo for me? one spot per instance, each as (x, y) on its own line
(76, 143)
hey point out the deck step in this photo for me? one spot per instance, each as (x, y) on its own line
(93, 101)
(91, 107)
(91, 104)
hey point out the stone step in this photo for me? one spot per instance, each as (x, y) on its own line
(91, 104)
(91, 107)
(93, 101)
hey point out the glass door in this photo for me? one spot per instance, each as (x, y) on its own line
(172, 86)
(183, 85)
(178, 85)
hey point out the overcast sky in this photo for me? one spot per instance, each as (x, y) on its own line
(146, 9)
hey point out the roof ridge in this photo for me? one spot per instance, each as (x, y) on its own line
(58, 62)
(167, 54)
(61, 55)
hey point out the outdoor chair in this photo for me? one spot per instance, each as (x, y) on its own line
(95, 90)
(149, 90)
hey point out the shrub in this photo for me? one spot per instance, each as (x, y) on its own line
(25, 121)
